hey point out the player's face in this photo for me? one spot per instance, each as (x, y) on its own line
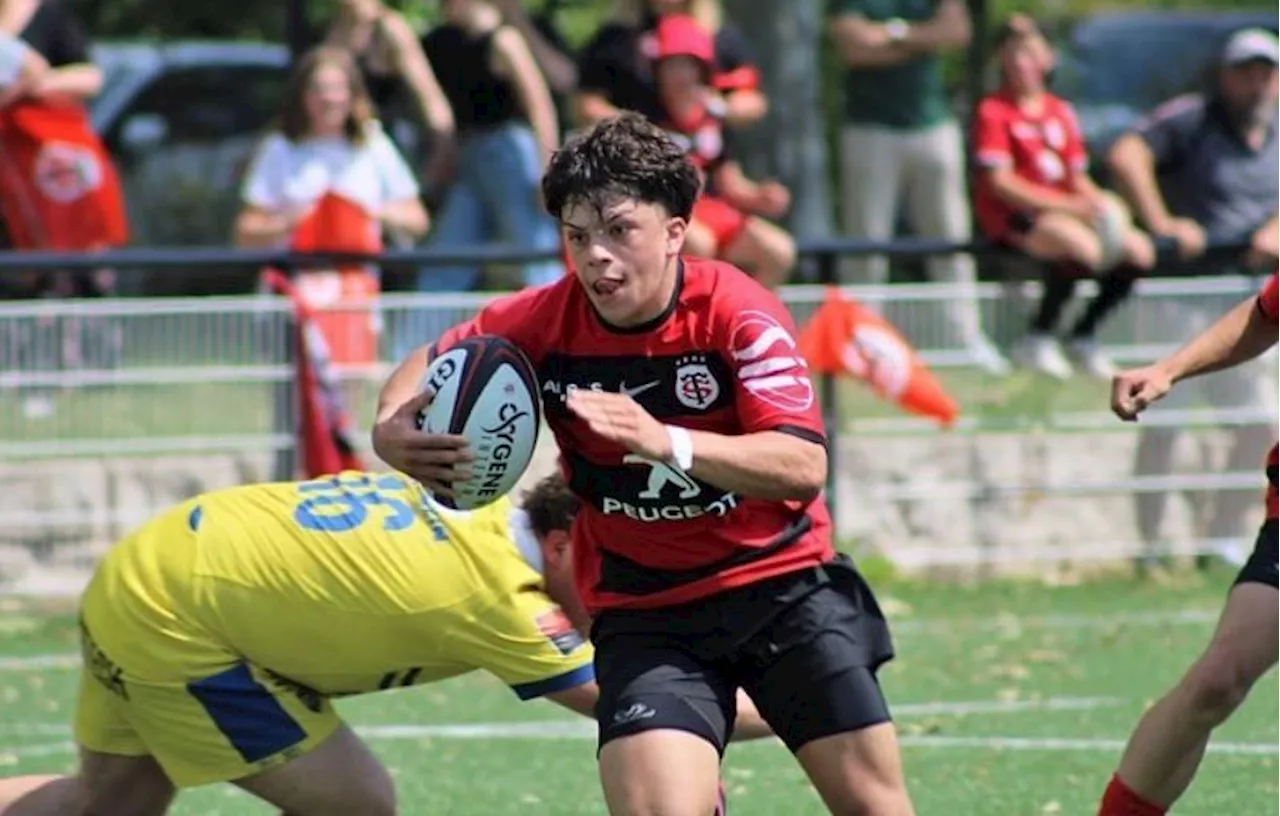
(328, 99)
(624, 254)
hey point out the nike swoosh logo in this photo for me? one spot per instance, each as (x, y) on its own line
(638, 390)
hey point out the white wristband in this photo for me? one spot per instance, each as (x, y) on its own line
(681, 447)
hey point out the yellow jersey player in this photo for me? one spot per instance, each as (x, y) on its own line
(215, 637)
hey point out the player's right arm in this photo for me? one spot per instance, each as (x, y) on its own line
(436, 460)
(1238, 336)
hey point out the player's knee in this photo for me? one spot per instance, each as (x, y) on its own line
(1216, 686)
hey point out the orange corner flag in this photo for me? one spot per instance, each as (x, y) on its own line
(846, 338)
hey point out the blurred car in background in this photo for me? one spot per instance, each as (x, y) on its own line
(1115, 67)
(182, 120)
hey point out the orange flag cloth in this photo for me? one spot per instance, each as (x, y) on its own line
(58, 188)
(848, 339)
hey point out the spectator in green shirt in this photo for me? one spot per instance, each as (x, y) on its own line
(899, 144)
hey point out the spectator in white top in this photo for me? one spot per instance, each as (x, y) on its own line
(327, 141)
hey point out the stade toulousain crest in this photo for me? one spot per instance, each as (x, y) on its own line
(696, 386)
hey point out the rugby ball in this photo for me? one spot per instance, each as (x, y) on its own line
(487, 391)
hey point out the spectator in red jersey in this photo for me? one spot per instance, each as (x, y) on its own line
(1165, 750)
(615, 72)
(727, 220)
(1034, 194)
(687, 425)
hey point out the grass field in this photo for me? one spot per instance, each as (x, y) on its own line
(1012, 698)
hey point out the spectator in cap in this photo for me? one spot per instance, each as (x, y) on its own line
(728, 220)
(1204, 168)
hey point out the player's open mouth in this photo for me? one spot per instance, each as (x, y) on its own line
(605, 288)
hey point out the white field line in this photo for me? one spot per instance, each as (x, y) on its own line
(584, 730)
(567, 729)
(909, 626)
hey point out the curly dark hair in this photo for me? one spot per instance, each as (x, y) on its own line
(550, 504)
(624, 156)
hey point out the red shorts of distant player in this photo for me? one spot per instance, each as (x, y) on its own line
(724, 221)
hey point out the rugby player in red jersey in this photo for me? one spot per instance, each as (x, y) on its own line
(686, 423)
(1165, 749)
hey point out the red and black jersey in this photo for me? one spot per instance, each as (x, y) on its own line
(721, 358)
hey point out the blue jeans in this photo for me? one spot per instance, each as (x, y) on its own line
(495, 196)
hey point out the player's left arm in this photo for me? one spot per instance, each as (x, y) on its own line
(1238, 336)
(781, 453)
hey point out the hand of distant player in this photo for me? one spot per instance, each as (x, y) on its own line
(435, 460)
(1132, 391)
(620, 419)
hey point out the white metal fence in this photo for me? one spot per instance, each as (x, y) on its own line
(123, 405)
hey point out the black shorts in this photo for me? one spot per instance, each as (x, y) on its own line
(1261, 566)
(805, 646)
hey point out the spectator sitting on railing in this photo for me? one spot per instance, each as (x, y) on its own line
(391, 61)
(901, 150)
(329, 179)
(1204, 168)
(507, 130)
(725, 222)
(616, 70)
(1034, 194)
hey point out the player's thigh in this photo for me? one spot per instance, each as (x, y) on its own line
(812, 676)
(1060, 237)
(1244, 646)
(104, 785)
(117, 772)
(123, 785)
(664, 772)
(664, 717)
(228, 725)
(340, 776)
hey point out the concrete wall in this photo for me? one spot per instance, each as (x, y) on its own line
(93, 502)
